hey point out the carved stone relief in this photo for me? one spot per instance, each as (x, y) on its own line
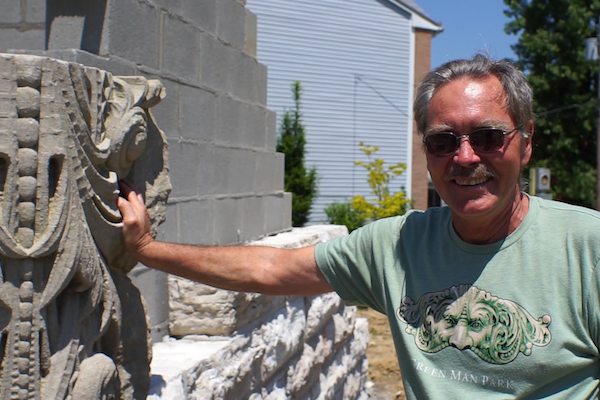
(68, 134)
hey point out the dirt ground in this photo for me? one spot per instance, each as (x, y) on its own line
(383, 364)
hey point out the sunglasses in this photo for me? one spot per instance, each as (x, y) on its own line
(484, 140)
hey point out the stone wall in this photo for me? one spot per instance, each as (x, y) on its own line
(252, 346)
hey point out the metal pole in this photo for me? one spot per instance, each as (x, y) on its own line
(598, 124)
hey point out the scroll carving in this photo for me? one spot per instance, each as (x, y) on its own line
(68, 134)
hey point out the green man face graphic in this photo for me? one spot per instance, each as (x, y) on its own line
(466, 317)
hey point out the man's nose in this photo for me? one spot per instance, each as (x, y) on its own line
(465, 155)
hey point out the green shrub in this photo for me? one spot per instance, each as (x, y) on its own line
(344, 214)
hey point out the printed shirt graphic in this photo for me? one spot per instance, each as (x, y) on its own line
(465, 317)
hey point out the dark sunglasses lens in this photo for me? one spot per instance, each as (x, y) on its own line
(487, 139)
(441, 144)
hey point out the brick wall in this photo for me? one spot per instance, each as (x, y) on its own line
(419, 163)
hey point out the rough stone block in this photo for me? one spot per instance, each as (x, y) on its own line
(10, 12)
(115, 66)
(196, 221)
(35, 11)
(198, 113)
(127, 40)
(320, 309)
(203, 13)
(13, 39)
(184, 160)
(181, 49)
(251, 33)
(231, 18)
(228, 221)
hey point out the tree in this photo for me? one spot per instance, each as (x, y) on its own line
(551, 50)
(298, 180)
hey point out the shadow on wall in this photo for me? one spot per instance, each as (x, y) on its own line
(74, 24)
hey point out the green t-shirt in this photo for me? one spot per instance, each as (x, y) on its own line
(515, 319)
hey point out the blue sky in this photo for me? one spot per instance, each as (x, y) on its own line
(470, 26)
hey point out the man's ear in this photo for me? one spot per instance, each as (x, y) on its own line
(527, 147)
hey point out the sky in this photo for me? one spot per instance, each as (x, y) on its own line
(470, 26)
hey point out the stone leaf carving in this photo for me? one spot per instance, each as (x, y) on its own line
(68, 134)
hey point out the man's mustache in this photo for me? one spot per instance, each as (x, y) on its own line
(478, 171)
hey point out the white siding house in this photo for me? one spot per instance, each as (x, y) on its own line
(355, 60)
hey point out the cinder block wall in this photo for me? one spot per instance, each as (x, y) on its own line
(227, 178)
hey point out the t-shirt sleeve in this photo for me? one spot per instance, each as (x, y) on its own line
(352, 264)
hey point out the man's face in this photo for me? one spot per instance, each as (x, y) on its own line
(476, 184)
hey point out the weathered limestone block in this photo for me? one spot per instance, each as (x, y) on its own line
(197, 309)
(68, 134)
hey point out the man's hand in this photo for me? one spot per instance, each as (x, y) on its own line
(136, 221)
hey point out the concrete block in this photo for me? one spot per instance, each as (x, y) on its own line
(230, 120)
(139, 42)
(66, 32)
(168, 111)
(168, 230)
(35, 11)
(242, 171)
(279, 171)
(261, 78)
(286, 206)
(231, 19)
(171, 6)
(198, 113)
(264, 181)
(196, 221)
(228, 221)
(251, 33)
(203, 13)
(10, 12)
(253, 127)
(241, 75)
(271, 130)
(254, 218)
(155, 291)
(274, 213)
(10, 39)
(181, 49)
(183, 161)
(214, 62)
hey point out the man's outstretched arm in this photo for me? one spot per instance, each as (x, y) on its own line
(242, 268)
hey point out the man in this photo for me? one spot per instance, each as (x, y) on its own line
(495, 296)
